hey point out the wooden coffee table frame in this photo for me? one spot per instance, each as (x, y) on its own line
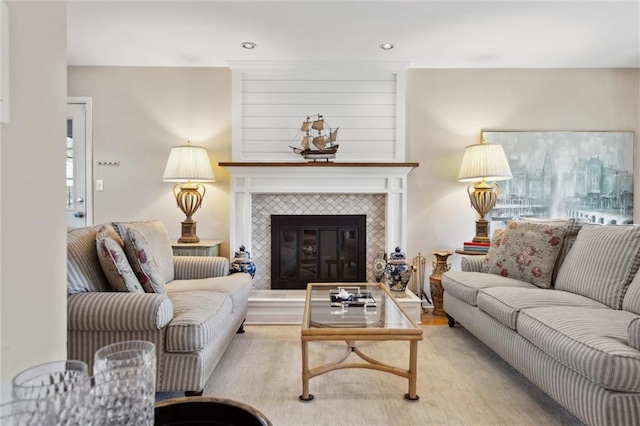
(350, 335)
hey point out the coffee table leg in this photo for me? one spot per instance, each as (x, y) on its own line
(413, 371)
(306, 396)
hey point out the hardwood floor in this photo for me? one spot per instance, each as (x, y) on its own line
(429, 319)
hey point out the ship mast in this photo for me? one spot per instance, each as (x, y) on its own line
(306, 127)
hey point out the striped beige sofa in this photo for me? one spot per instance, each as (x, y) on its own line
(191, 323)
(579, 340)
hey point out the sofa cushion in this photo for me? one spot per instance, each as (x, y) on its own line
(197, 316)
(631, 301)
(144, 263)
(84, 272)
(602, 263)
(527, 251)
(574, 225)
(238, 286)
(505, 303)
(634, 333)
(465, 285)
(593, 342)
(114, 261)
(155, 233)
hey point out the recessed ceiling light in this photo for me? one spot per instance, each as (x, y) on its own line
(249, 45)
(386, 46)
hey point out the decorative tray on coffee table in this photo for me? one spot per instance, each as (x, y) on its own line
(351, 296)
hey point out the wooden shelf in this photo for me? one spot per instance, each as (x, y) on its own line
(314, 164)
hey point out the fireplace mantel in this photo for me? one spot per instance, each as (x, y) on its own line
(389, 178)
(317, 164)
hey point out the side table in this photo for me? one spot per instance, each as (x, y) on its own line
(201, 248)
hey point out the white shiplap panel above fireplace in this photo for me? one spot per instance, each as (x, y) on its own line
(367, 104)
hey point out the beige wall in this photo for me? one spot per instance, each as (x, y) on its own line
(138, 115)
(447, 109)
(32, 165)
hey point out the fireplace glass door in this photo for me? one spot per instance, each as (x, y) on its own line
(317, 248)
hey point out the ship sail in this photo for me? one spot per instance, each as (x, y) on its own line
(305, 142)
(306, 126)
(333, 135)
(320, 142)
(318, 124)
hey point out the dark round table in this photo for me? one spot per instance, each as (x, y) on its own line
(201, 411)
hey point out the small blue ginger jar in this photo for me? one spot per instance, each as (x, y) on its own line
(242, 263)
(397, 273)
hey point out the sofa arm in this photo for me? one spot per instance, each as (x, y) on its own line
(634, 333)
(96, 311)
(471, 263)
(197, 267)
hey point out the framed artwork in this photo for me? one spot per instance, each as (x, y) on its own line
(565, 174)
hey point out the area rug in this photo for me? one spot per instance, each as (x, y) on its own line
(460, 382)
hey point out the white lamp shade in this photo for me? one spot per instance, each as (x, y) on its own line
(484, 161)
(188, 163)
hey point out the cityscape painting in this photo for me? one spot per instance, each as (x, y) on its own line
(585, 175)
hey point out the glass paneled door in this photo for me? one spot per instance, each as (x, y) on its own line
(78, 168)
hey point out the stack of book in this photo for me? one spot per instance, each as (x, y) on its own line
(474, 246)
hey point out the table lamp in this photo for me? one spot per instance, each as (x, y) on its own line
(483, 162)
(189, 166)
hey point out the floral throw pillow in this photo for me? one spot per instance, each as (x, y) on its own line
(527, 252)
(143, 263)
(114, 261)
(496, 239)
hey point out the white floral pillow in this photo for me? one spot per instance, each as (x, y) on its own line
(527, 251)
(114, 261)
(143, 263)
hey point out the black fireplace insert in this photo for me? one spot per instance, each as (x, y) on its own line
(317, 248)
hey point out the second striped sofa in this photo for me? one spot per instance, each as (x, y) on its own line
(579, 339)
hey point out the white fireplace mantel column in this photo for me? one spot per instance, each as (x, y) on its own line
(318, 178)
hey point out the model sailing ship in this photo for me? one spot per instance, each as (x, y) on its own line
(318, 140)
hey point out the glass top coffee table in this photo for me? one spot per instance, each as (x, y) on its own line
(356, 312)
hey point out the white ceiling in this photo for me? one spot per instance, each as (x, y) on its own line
(426, 33)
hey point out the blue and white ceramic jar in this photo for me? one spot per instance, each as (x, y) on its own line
(242, 263)
(397, 273)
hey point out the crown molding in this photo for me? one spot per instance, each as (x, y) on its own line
(325, 66)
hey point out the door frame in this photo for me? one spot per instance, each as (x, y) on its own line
(86, 101)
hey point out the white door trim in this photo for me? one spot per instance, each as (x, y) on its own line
(89, 154)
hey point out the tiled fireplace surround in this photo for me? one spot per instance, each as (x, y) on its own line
(264, 205)
(259, 190)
